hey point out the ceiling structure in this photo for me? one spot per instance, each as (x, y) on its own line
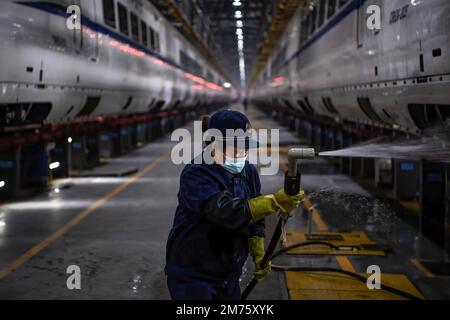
(229, 32)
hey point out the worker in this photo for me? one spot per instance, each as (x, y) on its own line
(220, 219)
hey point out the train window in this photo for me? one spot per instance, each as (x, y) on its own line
(157, 44)
(109, 15)
(308, 26)
(437, 52)
(152, 38)
(304, 31)
(279, 59)
(313, 20)
(322, 6)
(331, 8)
(134, 26)
(123, 19)
(366, 107)
(190, 64)
(209, 76)
(342, 3)
(183, 59)
(144, 34)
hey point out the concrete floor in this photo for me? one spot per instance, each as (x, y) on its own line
(119, 241)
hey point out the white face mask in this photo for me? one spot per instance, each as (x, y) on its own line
(234, 165)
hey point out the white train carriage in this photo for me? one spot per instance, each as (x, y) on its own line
(126, 58)
(332, 64)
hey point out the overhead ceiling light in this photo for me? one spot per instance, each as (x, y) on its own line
(227, 85)
(238, 14)
(2, 184)
(240, 37)
(239, 24)
(53, 165)
(242, 70)
(237, 3)
(238, 31)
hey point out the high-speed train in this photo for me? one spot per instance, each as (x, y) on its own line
(123, 57)
(331, 63)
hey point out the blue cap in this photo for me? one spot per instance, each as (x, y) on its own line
(232, 119)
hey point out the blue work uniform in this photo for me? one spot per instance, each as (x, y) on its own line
(208, 244)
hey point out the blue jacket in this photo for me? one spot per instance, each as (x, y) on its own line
(209, 238)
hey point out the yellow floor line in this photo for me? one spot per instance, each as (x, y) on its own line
(24, 258)
(345, 264)
(420, 266)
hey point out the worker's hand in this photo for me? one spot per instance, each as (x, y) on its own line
(262, 206)
(261, 274)
(257, 252)
(288, 203)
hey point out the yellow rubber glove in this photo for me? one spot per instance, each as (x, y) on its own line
(257, 252)
(262, 206)
(288, 203)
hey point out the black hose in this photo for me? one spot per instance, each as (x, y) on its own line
(304, 244)
(351, 274)
(267, 256)
(280, 252)
(348, 273)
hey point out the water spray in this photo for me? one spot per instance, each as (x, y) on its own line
(292, 188)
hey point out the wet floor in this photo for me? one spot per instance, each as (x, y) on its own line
(344, 205)
(115, 230)
(119, 246)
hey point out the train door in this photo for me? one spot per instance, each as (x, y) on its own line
(89, 36)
